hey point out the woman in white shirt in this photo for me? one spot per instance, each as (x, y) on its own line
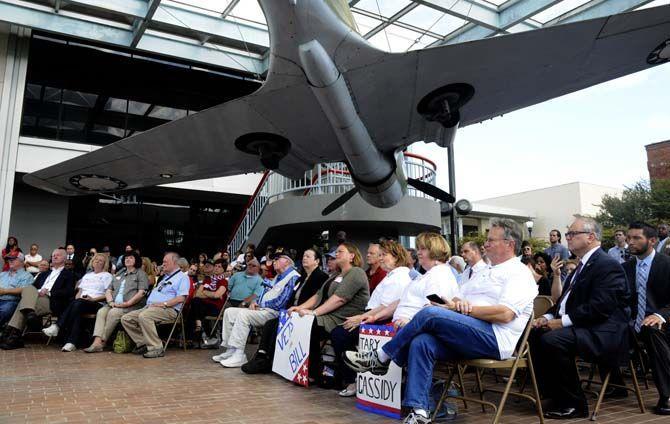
(396, 262)
(88, 299)
(433, 252)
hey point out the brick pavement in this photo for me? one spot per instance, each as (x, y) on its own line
(42, 384)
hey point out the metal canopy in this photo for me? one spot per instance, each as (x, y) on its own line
(233, 34)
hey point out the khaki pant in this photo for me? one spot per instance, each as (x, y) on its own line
(30, 299)
(106, 321)
(236, 323)
(141, 325)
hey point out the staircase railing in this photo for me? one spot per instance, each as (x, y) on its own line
(324, 178)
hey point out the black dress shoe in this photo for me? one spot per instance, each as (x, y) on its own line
(260, 364)
(566, 413)
(12, 343)
(663, 407)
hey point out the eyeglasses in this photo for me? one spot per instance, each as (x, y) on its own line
(571, 234)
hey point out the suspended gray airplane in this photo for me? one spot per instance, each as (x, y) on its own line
(329, 96)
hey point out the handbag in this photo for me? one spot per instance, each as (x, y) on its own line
(123, 343)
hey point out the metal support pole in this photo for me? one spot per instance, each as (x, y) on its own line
(453, 237)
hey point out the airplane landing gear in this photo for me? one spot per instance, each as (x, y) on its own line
(442, 105)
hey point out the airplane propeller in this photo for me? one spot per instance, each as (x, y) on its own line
(339, 201)
(431, 190)
(422, 186)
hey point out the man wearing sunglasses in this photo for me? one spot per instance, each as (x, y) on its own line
(163, 305)
(590, 319)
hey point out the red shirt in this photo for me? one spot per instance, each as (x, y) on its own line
(376, 278)
(212, 284)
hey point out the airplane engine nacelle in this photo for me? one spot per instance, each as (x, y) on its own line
(387, 192)
(441, 110)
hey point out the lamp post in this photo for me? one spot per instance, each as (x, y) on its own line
(529, 227)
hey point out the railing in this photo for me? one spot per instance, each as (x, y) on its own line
(324, 178)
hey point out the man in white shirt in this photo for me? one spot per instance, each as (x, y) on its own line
(471, 253)
(459, 330)
(33, 259)
(620, 249)
(590, 319)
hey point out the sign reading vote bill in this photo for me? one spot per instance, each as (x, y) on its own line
(291, 359)
(379, 394)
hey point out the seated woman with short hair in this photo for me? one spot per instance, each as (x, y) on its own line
(88, 299)
(343, 295)
(125, 294)
(396, 262)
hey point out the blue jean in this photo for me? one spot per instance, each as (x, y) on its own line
(7, 308)
(436, 334)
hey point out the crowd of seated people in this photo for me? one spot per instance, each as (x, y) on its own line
(443, 307)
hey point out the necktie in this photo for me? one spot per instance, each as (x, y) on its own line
(573, 280)
(470, 274)
(641, 280)
(570, 283)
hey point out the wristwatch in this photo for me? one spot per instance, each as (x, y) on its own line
(165, 305)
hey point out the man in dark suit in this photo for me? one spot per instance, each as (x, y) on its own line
(51, 292)
(649, 282)
(589, 320)
(77, 261)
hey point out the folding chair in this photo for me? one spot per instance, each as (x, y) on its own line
(179, 320)
(606, 383)
(217, 319)
(520, 359)
(541, 304)
(47, 320)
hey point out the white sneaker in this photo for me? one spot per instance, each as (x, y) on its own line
(236, 360)
(223, 356)
(69, 347)
(51, 331)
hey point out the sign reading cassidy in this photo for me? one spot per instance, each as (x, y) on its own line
(379, 394)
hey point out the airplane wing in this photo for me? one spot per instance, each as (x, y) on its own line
(507, 72)
(199, 146)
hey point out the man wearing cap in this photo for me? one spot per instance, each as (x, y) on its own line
(236, 321)
(163, 306)
(51, 292)
(11, 284)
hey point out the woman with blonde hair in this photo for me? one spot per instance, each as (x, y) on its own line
(150, 270)
(396, 262)
(344, 294)
(88, 299)
(124, 294)
(433, 252)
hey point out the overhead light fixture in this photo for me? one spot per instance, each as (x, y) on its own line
(97, 183)
(166, 176)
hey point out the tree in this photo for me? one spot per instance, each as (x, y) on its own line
(641, 202)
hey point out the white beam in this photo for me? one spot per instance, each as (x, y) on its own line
(43, 18)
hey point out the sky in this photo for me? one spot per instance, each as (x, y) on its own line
(596, 136)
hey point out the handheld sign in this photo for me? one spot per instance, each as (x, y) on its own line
(379, 394)
(291, 359)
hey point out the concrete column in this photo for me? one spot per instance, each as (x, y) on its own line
(14, 43)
